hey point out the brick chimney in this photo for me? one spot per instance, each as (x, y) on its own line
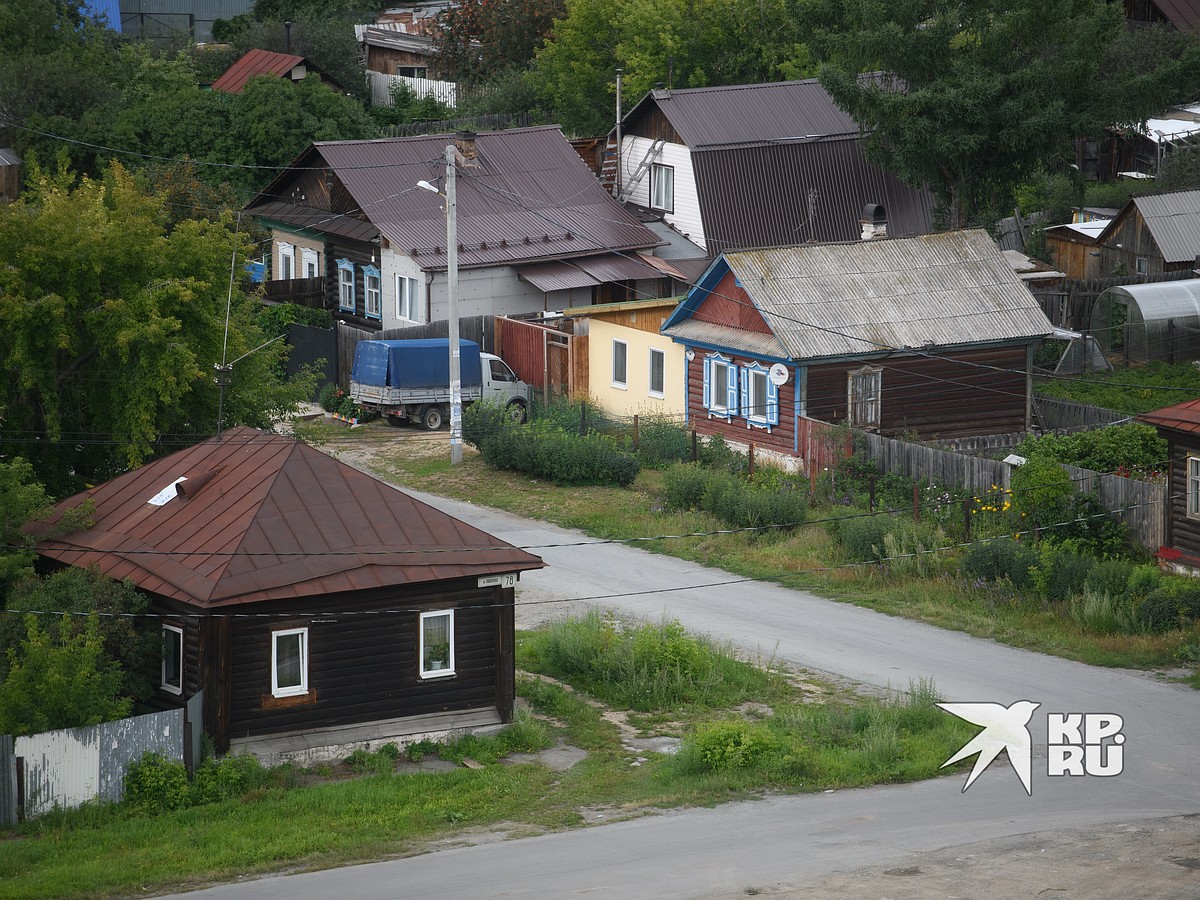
(874, 222)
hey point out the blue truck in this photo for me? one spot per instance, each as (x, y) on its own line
(409, 381)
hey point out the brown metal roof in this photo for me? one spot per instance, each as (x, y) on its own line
(317, 219)
(265, 517)
(589, 271)
(255, 62)
(529, 198)
(1180, 417)
(775, 195)
(743, 114)
(1183, 14)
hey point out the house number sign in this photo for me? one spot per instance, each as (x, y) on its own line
(507, 580)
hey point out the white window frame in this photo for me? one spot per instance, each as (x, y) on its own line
(874, 414)
(1193, 487)
(620, 374)
(289, 690)
(172, 636)
(309, 263)
(287, 261)
(372, 293)
(425, 616)
(662, 187)
(756, 377)
(661, 357)
(407, 297)
(720, 394)
(346, 298)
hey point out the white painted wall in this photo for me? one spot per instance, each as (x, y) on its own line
(392, 264)
(686, 215)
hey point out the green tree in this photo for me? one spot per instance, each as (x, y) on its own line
(22, 498)
(975, 97)
(478, 39)
(110, 325)
(60, 678)
(683, 43)
(125, 635)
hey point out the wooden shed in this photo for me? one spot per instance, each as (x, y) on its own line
(1179, 426)
(10, 175)
(314, 606)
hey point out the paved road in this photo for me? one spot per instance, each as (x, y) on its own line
(786, 842)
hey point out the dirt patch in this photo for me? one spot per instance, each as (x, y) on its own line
(1155, 858)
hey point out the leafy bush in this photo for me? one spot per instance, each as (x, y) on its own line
(1173, 605)
(662, 442)
(481, 422)
(1134, 450)
(861, 535)
(1104, 613)
(550, 452)
(911, 547)
(1042, 492)
(1002, 558)
(732, 744)
(365, 762)
(155, 784)
(1061, 572)
(225, 779)
(1109, 576)
(1092, 528)
(776, 500)
(683, 486)
(1143, 581)
(325, 398)
(715, 453)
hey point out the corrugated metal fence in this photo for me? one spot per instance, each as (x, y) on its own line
(382, 84)
(73, 765)
(1139, 504)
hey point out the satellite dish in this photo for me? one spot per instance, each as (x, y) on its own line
(778, 374)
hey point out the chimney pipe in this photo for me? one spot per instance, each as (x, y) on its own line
(465, 142)
(287, 37)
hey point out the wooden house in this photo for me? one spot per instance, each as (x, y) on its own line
(10, 175)
(757, 165)
(353, 232)
(1179, 426)
(1151, 235)
(931, 336)
(314, 606)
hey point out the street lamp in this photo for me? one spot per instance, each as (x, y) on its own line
(452, 301)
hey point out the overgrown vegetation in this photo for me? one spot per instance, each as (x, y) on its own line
(1131, 391)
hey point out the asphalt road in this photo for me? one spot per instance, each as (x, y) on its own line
(784, 843)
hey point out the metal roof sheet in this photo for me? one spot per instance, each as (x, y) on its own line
(316, 219)
(255, 62)
(1174, 222)
(816, 191)
(529, 197)
(1183, 14)
(556, 276)
(587, 271)
(265, 517)
(1180, 417)
(748, 113)
(838, 300)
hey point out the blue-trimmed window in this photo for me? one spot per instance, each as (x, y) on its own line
(760, 398)
(372, 297)
(720, 386)
(345, 285)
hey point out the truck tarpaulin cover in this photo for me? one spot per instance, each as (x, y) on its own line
(413, 364)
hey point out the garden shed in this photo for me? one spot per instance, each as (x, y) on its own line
(1146, 322)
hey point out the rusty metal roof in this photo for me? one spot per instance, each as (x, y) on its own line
(528, 198)
(788, 193)
(1180, 417)
(742, 114)
(868, 297)
(1173, 221)
(255, 62)
(263, 517)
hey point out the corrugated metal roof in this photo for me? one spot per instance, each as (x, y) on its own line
(376, 36)
(264, 517)
(556, 276)
(529, 198)
(1183, 14)
(747, 113)
(8, 157)
(588, 271)
(783, 194)
(317, 220)
(1180, 417)
(1174, 222)
(839, 300)
(255, 62)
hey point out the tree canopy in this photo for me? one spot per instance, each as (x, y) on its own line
(681, 43)
(111, 323)
(972, 98)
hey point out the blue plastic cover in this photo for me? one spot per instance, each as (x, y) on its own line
(414, 364)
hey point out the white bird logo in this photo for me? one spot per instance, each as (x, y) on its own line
(1004, 728)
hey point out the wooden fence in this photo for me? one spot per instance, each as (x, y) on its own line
(1067, 415)
(1142, 506)
(551, 361)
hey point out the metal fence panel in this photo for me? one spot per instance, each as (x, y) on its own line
(127, 740)
(8, 782)
(62, 768)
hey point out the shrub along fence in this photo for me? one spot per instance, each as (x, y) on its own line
(1142, 506)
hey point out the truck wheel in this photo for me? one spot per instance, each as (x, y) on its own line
(396, 421)
(517, 414)
(432, 418)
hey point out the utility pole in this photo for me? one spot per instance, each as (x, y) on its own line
(452, 300)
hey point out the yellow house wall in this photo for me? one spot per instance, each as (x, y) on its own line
(635, 397)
